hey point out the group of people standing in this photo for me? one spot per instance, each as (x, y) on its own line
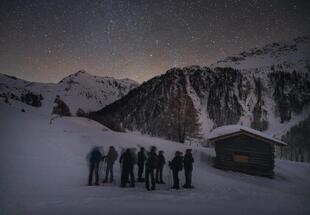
(149, 163)
(95, 159)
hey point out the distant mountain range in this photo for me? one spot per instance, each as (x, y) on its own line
(264, 88)
(293, 53)
(79, 90)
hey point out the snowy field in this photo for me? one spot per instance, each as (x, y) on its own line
(44, 171)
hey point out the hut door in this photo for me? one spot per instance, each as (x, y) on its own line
(241, 157)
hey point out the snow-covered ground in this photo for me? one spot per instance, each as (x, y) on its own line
(44, 171)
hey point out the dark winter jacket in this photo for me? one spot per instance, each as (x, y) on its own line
(94, 156)
(161, 161)
(141, 158)
(111, 156)
(188, 161)
(126, 160)
(177, 163)
(151, 161)
(133, 155)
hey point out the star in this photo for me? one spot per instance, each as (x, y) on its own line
(129, 38)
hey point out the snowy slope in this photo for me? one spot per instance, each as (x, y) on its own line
(282, 57)
(79, 90)
(292, 53)
(44, 171)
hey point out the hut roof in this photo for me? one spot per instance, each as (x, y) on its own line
(228, 131)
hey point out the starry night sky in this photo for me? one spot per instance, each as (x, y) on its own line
(46, 40)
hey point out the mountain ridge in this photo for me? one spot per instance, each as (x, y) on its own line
(294, 51)
(79, 90)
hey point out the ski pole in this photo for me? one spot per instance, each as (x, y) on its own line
(170, 181)
(100, 169)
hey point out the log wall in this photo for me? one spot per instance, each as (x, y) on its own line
(253, 156)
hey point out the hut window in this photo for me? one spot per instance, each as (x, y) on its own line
(241, 157)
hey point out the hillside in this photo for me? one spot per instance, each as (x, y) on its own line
(268, 101)
(44, 171)
(79, 90)
(293, 53)
(272, 95)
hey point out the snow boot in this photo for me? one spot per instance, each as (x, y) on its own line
(188, 186)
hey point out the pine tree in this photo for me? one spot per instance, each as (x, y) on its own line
(61, 107)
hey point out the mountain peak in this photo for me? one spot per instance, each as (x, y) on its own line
(79, 90)
(83, 76)
(80, 72)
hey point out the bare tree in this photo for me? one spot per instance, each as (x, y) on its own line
(185, 117)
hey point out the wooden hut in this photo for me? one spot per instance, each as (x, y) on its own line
(244, 149)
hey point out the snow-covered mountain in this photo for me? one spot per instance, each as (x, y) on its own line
(79, 90)
(293, 53)
(268, 89)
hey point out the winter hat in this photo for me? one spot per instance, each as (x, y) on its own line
(178, 153)
(153, 149)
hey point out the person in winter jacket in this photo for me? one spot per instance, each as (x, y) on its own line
(176, 165)
(94, 157)
(188, 168)
(141, 161)
(160, 166)
(110, 159)
(150, 165)
(127, 163)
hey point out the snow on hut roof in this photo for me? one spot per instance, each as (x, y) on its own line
(226, 131)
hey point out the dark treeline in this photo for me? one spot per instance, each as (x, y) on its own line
(298, 140)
